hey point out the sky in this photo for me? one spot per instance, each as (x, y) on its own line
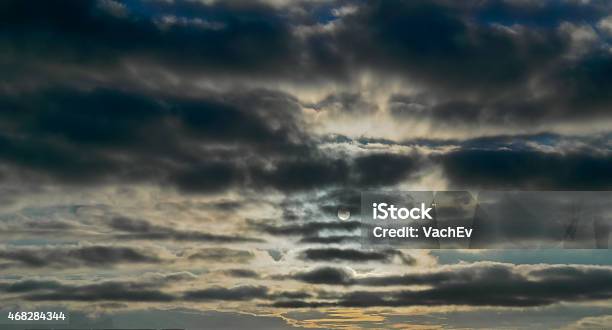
(180, 163)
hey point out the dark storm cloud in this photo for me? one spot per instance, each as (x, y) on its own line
(222, 255)
(545, 161)
(325, 275)
(303, 174)
(353, 255)
(333, 239)
(528, 169)
(542, 13)
(30, 285)
(573, 90)
(243, 39)
(60, 257)
(148, 280)
(446, 45)
(361, 172)
(99, 117)
(451, 275)
(386, 169)
(305, 229)
(302, 304)
(141, 291)
(108, 291)
(491, 49)
(77, 136)
(253, 38)
(434, 41)
(239, 293)
(480, 284)
(252, 139)
(257, 138)
(144, 290)
(283, 295)
(570, 101)
(586, 84)
(226, 206)
(136, 291)
(242, 293)
(53, 290)
(144, 230)
(241, 273)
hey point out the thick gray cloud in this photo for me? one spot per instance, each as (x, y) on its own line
(479, 284)
(245, 292)
(243, 39)
(528, 169)
(472, 64)
(236, 98)
(334, 239)
(353, 255)
(475, 59)
(495, 46)
(305, 229)
(143, 230)
(544, 161)
(78, 137)
(59, 257)
(144, 290)
(386, 169)
(252, 38)
(325, 275)
(103, 291)
(74, 136)
(241, 273)
(223, 255)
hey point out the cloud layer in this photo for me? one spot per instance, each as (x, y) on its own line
(192, 155)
